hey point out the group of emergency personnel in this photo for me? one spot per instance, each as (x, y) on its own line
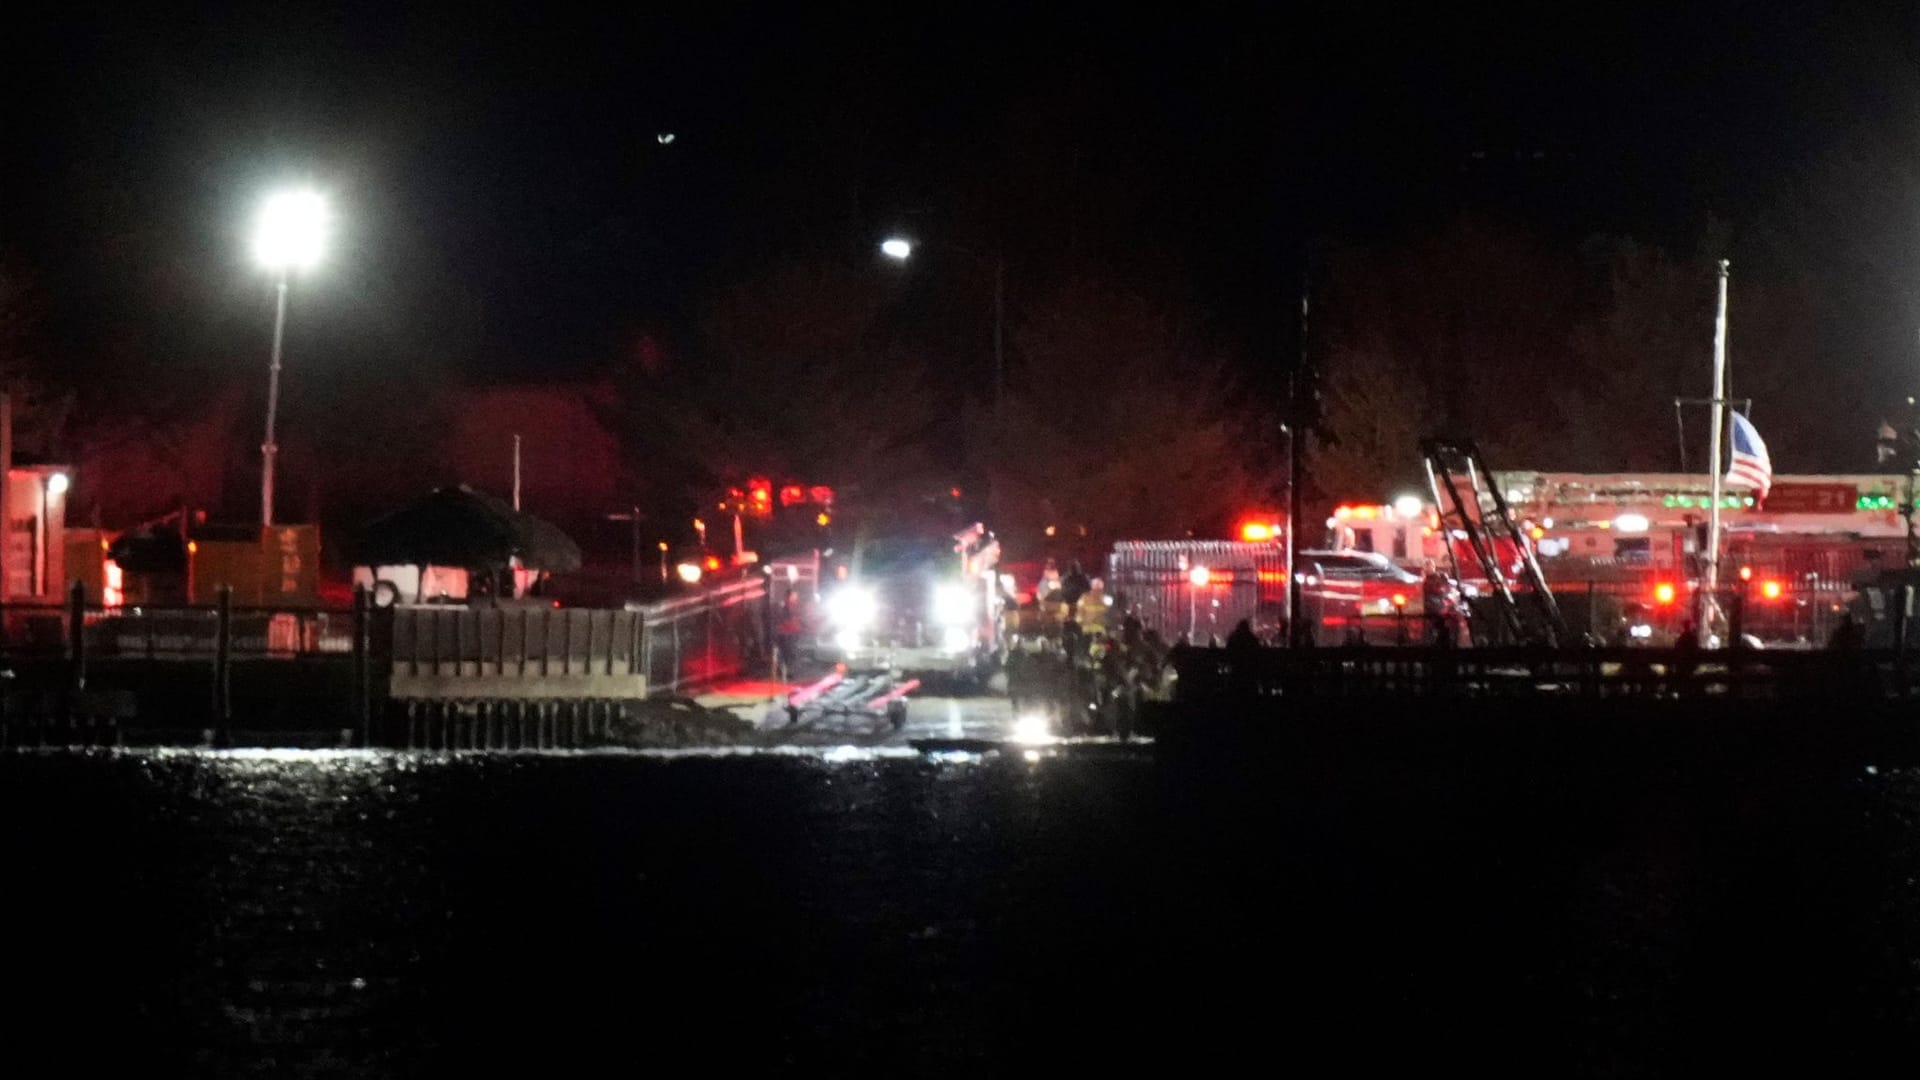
(1064, 658)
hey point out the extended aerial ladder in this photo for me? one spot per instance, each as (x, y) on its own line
(1473, 508)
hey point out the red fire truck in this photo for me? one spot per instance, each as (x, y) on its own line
(1793, 557)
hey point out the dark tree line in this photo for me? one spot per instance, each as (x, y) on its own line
(1127, 411)
(1569, 358)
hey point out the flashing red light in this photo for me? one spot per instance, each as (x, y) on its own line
(1746, 573)
(792, 495)
(1663, 593)
(1538, 533)
(821, 494)
(1399, 599)
(1255, 532)
(713, 562)
(1770, 590)
(955, 492)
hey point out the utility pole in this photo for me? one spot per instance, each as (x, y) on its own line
(1299, 387)
(1909, 466)
(633, 517)
(1716, 429)
(6, 470)
(270, 449)
(1902, 446)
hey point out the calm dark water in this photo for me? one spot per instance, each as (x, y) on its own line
(299, 914)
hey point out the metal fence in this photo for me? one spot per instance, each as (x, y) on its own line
(1155, 581)
(695, 641)
(1776, 611)
(1155, 586)
(174, 633)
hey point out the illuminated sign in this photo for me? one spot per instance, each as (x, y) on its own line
(1812, 499)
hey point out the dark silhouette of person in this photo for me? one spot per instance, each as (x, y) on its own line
(1851, 673)
(786, 635)
(1243, 650)
(1686, 650)
(1436, 603)
(1074, 584)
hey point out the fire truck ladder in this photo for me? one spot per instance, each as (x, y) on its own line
(1472, 505)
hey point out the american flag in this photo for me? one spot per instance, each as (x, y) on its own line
(1751, 465)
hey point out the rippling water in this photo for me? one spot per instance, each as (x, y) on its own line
(343, 913)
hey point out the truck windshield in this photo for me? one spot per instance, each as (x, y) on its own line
(888, 556)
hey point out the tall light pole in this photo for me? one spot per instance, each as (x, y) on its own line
(634, 518)
(901, 249)
(288, 235)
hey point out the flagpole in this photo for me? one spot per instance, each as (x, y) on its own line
(1717, 428)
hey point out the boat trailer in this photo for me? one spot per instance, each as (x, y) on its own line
(841, 694)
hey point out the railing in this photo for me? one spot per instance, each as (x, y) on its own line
(697, 640)
(667, 647)
(1776, 611)
(84, 660)
(174, 633)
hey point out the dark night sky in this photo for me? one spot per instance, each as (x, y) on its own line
(501, 187)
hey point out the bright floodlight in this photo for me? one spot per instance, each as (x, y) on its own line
(57, 484)
(896, 248)
(1407, 506)
(291, 231)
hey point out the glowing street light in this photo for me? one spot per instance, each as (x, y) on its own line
(52, 487)
(289, 235)
(901, 249)
(1198, 577)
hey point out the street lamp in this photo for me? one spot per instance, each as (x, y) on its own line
(635, 517)
(52, 486)
(1197, 578)
(901, 249)
(288, 235)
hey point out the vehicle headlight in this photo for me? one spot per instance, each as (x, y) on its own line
(852, 608)
(952, 605)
